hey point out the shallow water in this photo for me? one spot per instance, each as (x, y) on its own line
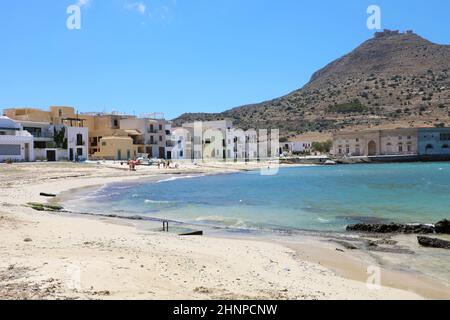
(324, 199)
(307, 198)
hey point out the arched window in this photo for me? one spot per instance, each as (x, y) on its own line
(445, 146)
(429, 146)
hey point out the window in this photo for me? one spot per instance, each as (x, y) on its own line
(10, 149)
(80, 141)
(429, 146)
(357, 140)
(409, 148)
(445, 136)
(40, 144)
(409, 137)
(103, 143)
(400, 138)
(115, 123)
(400, 148)
(445, 146)
(160, 127)
(160, 139)
(2, 133)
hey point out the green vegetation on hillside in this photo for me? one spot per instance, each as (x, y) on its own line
(322, 147)
(351, 107)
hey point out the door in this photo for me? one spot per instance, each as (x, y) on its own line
(372, 148)
(71, 154)
(51, 155)
(161, 153)
(119, 154)
(27, 152)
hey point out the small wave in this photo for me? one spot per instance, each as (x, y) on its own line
(149, 201)
(178, 178)
(226, 221)
(322, 220)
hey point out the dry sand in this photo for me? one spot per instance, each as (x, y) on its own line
(56, 256)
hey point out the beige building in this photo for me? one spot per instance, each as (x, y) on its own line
(107, 125)
(116, 148)
(150, 135)
(391, 142)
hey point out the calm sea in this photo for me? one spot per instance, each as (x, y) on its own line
(306, 198)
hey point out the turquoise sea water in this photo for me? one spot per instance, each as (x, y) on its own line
(306, 198)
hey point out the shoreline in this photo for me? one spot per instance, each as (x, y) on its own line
(315, 259)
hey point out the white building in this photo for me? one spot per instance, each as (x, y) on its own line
(181, 141)
(15, 143)
(77, 143)
(219, 140)
(296, 146)
(207, 140)
(57, 142)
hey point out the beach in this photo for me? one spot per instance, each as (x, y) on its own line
(52, 255)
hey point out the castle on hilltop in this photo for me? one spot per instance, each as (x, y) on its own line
(389, 33)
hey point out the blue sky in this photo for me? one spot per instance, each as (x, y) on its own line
(177, 56)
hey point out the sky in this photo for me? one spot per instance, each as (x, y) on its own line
(176, 56)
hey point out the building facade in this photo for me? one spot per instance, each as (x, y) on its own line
(16, 144)
(293, 147)
(58, 134)
(434, 141)
(151, 136)
(220, 141)
(392, 142)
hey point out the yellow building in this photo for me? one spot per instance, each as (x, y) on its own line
(101, 126)
(116, 148)
(57, 115)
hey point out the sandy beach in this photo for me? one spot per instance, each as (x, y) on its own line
(48, 255)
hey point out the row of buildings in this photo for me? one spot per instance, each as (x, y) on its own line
(429, 142)
(59, 133)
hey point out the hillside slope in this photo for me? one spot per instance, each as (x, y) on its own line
(392, 79)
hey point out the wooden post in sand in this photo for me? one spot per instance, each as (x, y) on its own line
(166, 226)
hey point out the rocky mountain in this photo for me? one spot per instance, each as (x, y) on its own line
(392, 79)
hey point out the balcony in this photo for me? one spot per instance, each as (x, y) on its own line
(43, 135)
(139, 142)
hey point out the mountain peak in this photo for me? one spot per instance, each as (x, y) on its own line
(393, 78)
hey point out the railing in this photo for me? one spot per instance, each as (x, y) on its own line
(42, 135)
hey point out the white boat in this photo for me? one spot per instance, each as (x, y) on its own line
(330, 163)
